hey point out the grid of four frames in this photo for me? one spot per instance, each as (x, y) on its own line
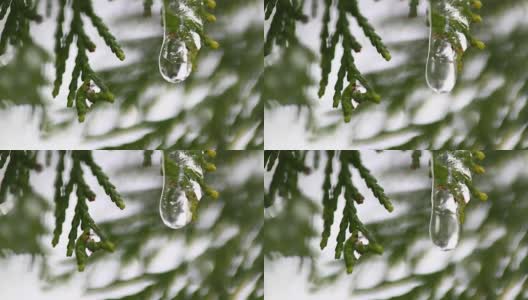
(138, 141)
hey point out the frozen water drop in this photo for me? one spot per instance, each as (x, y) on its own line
(444, 40)
(174, 208)
(441, 66)
(448, 190)
(180, 192)
(445, 226)
(174, 60)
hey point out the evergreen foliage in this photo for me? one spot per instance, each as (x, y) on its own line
(80, 95)
(352, 88)
(19, 15)
(486, 109)
(230, 266)
(230, 111)
(488, 263)
(288, 165)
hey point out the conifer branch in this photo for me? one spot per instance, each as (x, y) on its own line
(16, 182)
(18, 165)
(354, 239)
(79, 244)
(19, 16)
(284, 182)
(453, 179)
(92, 89)
(286, 166)
(352, 88)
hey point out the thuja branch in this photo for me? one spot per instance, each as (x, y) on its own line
(18, 165)
(361, 240)
(16, 28)
(451, 176)
(354, 238)
(452, 24)
(183, 169)
(284, 182)
(92, 89)
(350, 85)
(282, 27)
(352, 88)
(64, 190)
(16, 183)
(286, 167)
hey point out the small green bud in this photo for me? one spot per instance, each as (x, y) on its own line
(479, 155)
(482, 196)
(478, 169)
(213, 44)
(108, 246)
(211, 4)
(211, 153)
(479, 44)
(120, 54)
(386, 55)
(375, 98)
(210, 18)
(376, 248)
(209, 167)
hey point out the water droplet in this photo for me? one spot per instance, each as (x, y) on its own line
(174, 60)
(181, 193)
(441, 66)
(442, 60)
(444, 227)
(179, 40)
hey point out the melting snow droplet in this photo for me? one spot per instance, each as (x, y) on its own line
(442, 60)
(444, 227)
(181, 193)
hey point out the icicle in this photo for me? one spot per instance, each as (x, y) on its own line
(181, 193)
(448, 195)
(446, 44)
(180, 43)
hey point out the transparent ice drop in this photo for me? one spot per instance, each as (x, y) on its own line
(180, 193)
(175, 61)
(441, 67)
(444, 227)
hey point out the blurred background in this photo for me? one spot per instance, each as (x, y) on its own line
(219, 256)
(490, 261)
(218, 106)
(488, 108)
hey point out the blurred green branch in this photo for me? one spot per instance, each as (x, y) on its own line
(489, 262)
(79, 96)
(16, 27)
(228, 267)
